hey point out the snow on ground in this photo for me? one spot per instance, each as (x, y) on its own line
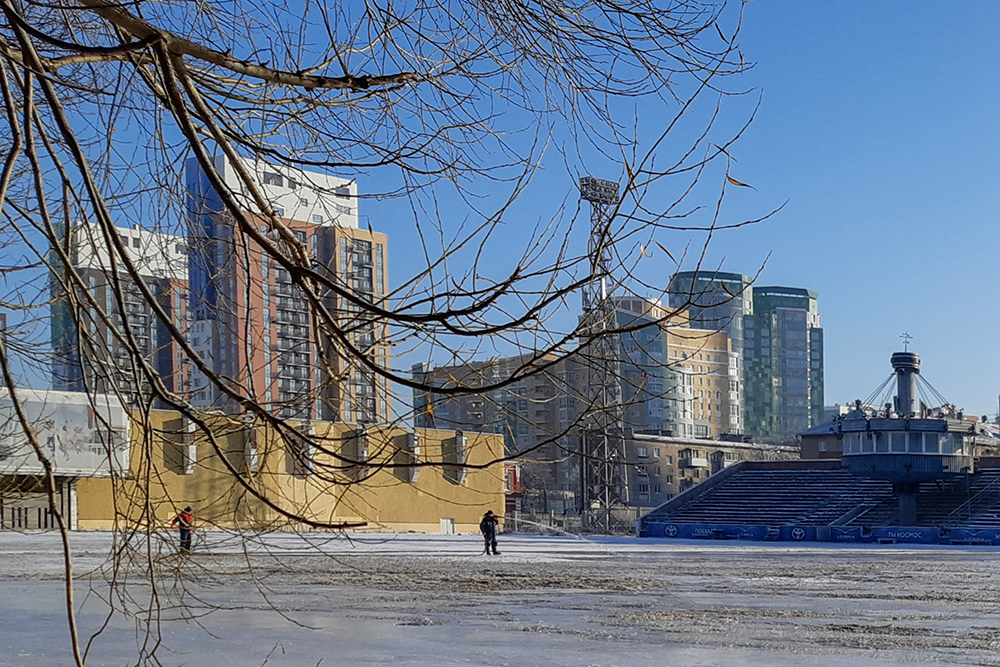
(421, 600)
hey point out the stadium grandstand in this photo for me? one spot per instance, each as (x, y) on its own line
(902, 472)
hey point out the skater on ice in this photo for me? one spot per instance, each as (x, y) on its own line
(185, 523)
(488, 527)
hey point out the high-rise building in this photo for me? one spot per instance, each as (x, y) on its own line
(705, 360)
(783, 349)
(94, 339)
(718, 301)
(676, 379)
(261, 331)
(657, 397)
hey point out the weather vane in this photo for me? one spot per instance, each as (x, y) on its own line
(906, 341)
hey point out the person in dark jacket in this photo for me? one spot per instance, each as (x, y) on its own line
(488, 526)
(185, 523)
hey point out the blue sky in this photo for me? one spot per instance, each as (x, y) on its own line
(878, 127)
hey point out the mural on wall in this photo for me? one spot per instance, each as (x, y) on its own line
(80, 435)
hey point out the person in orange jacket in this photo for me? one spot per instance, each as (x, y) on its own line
(185, 522)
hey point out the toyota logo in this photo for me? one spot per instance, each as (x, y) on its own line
(670, 531)
(798, 533)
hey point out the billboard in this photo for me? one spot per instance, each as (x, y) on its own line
(81, 435)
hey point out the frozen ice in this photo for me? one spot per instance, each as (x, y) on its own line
(418, 599)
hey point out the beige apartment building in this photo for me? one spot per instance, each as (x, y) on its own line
(676, 379)
(705, 361)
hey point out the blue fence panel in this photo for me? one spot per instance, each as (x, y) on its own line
(842, 534)
(971, 536)
(797, 533)
(849, 534)
(906, 534)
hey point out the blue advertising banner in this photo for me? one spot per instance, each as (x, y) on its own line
(849, 534)
(906, 535)
(970, 536)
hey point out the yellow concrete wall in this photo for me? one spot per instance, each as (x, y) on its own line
(338, 491)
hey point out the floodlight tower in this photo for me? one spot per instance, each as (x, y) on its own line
(603, 444)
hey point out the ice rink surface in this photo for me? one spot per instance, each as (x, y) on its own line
(414, 599)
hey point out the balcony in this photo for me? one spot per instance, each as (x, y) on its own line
(694, 462)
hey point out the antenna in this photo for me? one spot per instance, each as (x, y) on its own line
(603, 482)
(906, 341)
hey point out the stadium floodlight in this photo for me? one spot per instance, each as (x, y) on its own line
(604, 484)
(599, 190)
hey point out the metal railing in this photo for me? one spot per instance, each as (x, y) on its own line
(988, 496)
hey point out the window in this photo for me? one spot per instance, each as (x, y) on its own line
(343, 193)
(279, 211)
(656, 488)
(273, 179)
(180, 249)
(656, 453)
(303, 202)
(135, 241)
(318, 219)
(642, 451)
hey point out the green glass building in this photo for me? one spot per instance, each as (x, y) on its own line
(783, 357)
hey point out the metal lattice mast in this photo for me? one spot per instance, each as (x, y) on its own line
(603, 442)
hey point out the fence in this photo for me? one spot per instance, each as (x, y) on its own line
(530, 521)
(26, 518)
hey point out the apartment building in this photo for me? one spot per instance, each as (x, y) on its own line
(677, 379)
(535, 414)
(709, 368)
(93, 350)
(783, 346)
(657, 397)
(305, 354)
(717, 301)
